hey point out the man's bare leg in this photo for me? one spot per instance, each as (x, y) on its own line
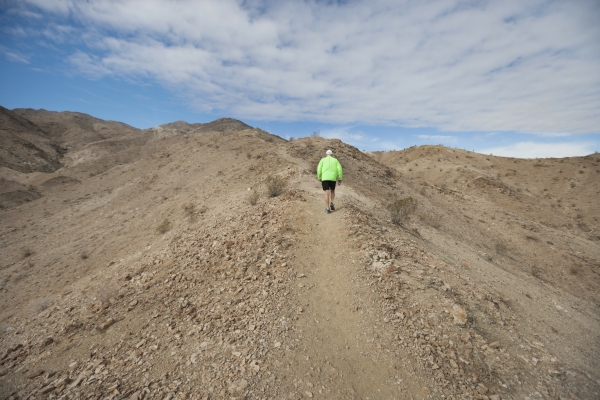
(332, 196)
(327, 199)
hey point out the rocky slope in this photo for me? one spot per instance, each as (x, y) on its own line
(146, 272)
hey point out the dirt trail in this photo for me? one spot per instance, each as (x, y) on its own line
(345, 352)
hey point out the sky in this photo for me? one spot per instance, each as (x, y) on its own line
(508, 78)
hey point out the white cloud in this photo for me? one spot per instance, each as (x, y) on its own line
(14, 56)
(543, 150)
(437, 137)
(484, 66)
(357, 139)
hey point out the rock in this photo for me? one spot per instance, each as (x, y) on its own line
(46, 389)
(106, 324)
(494, 345)
(254, 366)
(194, 358)
(238, 387)
(494, 397)
(390, 270)
(459, 314)
(465, 337)
(308, 394)
(277, 344)
(135, 396)
(36, 374)
(481, 388)
(49, 340)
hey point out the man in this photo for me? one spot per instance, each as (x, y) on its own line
(328, 172)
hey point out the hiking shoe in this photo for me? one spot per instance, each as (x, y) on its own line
(327, 210)
(331, 206)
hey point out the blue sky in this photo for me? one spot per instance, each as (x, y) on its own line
(511, 78)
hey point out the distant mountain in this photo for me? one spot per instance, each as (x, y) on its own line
(75, 129)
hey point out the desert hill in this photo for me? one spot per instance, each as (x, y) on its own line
(165, 263)
(26, 147)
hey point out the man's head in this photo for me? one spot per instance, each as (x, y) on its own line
(329, 152)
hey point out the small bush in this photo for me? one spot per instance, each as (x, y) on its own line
(275, 185)
(501, 247)
(431, 220)
(190, 212)
(164, 226)
(253, 197)
(26, 252)
(402, 209)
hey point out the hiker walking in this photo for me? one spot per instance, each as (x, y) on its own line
(328, 172)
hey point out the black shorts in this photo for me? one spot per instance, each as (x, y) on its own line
(328, 185)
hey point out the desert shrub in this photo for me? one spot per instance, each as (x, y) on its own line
(190, 211)
(402, 209)
(253, 197)
(26, 252)
(164, 226)
(275, 185)
(316, 133)
(501, 247)
(431, 220)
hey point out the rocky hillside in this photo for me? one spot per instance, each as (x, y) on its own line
(157, 264)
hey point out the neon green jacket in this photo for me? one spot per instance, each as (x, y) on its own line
(329, 169)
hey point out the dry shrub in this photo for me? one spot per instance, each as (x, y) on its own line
(575, 269)
(501, 247)
(275, 185)
(190, 212)
(39, 304)
(253, 197)
(402, 209)
(26, 252)
(431, 220)
(164, 226)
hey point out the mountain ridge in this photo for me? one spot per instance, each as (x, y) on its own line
(142, 263)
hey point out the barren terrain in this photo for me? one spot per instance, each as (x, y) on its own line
(134, 265)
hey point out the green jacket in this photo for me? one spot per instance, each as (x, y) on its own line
(329, 169)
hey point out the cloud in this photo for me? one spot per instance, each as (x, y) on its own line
(532, 149)
(437, 137)
(482, 66)
(14, 56)
(357, 139)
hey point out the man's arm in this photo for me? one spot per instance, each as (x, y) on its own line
(319, 169)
